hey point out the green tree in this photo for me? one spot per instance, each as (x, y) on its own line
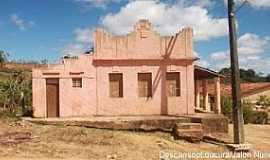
(246, 75)
(268, 78)
(12, 90)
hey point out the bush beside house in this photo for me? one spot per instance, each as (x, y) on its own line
(15, 93)
(250, 115)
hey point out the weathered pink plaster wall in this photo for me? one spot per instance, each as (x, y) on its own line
(72, 101)
(131, 103)
(143, 50)
(39, 96)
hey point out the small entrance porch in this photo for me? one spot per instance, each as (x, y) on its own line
(207, 90)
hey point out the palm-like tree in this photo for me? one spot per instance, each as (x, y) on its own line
(11, 91)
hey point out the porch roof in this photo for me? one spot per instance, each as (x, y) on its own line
(205, 73)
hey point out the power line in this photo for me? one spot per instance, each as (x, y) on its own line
(242, 5)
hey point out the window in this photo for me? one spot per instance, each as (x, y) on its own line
(145, 84)
(173, 84)
(116, 84)
(77, 82)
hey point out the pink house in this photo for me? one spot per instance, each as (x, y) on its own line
(141, 73)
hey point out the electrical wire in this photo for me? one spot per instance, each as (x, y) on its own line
(242, 5)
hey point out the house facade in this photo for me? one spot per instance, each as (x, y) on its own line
(141, 73)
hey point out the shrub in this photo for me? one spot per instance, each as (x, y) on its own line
(259, 117)
(226, 106)
(247, 112)
(6, 114)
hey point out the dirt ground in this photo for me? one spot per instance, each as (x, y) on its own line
(63, 142)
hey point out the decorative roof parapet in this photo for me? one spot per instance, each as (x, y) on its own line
(143, 43)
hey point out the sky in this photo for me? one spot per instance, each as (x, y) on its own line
(49, 29)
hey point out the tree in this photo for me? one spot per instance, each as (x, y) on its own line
(246, 75)
(12, 90)
(268, 78)
(3, 58)
(225, 71)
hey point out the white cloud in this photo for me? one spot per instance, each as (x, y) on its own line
(259, 64)
(196, 54)
(84, 35)
(97, 3)
(203, 63)
(22, 24)
(202, 3)
(73, 48)
(253, 57)
(250, 44)
(167, 18)
(83, 41)
(251, 49)
(219, 56)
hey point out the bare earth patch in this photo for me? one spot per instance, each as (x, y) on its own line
(63, 142)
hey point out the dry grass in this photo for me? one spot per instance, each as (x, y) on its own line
(61, 142)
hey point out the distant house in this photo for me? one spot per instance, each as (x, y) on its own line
(142, 73)
(253, 91)
(250, 92)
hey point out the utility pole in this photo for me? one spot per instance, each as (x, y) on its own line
(238, 122)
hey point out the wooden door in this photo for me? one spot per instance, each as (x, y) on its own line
(52, 97)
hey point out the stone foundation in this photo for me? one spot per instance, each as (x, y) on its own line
(211, 123)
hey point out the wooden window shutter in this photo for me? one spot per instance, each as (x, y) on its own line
(173, 84)
(145, 84)
(116, 84)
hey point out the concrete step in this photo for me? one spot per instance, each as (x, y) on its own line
(188, 125)
(191, 132)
